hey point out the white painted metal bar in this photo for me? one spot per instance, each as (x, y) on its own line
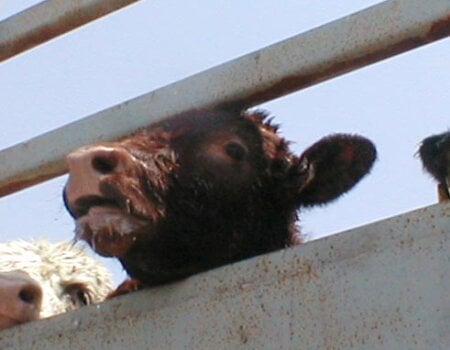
(338, 47)
(49, 19)
(382, 286)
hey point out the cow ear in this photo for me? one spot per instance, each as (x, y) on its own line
(434, 152)
(331, 167)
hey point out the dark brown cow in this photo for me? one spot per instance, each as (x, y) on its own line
(202, 190)
(434, 153)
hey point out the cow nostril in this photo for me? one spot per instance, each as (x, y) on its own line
(104, 165)
(29, 295)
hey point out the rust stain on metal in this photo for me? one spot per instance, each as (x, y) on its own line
(439, 29)
(303, 271)
(17, 184)
(297, 82)
(289, 84)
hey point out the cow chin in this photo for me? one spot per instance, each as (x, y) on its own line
(109, 231)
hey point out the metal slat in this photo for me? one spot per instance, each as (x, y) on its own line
(49, 19)
(352, 42)
(381, 286)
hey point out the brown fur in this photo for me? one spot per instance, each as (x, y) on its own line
(204, 189)
(434, 153)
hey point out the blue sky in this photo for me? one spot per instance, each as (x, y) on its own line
(396, 102)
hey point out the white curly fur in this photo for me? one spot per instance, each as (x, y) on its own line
(55, 266)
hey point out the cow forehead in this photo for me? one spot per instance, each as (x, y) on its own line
(252, 127)
(53, 262)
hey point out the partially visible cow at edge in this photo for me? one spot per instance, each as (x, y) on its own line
(203, 189)
(39, 279)
(434, 152)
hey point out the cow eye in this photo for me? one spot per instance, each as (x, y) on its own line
(236, 151)
(79, 295)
